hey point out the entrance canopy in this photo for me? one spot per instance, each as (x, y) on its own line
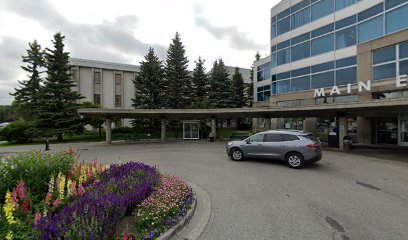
(355, 109)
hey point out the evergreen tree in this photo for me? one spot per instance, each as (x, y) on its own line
(27, 96)
(250, 86)
(149, 83)
(59, 103)
(238, 89)
(177, 88)
(220, 94)
(200, 84)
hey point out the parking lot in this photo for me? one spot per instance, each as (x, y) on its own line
(344, 196)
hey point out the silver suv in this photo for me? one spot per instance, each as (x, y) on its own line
(294, 147)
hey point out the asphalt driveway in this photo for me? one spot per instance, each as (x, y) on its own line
(342, 197)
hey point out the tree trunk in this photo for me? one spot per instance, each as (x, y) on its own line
(59, 137)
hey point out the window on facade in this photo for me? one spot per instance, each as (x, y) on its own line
(346, 62)
(322, 8)
(346, 37)
(403, 68)
(322, 80)
(274, 59)
(384, 71)
(323, 44)
(370, 12)
(346, 76)
(323, 30)
(264, 93)
(284, 25)
(74, 73)
(300, 51)
(346, 22)
(300, 38)
(300, 5)
(340, 4)
(300, 18)
(284, 44)
(403, 50)
(300, 72)
(386, 54)
(323, 67)
(396, 19)
(283, 56)
(264, 72)
(97, 99)
(118, 90)
(370, 29)
(283, 86)
(393, 3)
(97, 77)
(300, 83)
(273, 31)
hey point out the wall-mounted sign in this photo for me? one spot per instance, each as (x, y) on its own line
(400, 81)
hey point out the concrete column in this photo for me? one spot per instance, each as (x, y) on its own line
(254, 125)
(364, 130)
(163, 130)
(214, 127)
(342, 131)
(108, 129)
(274, 123)
(310, 125)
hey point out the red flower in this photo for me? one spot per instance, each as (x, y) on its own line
(56, 203)
(25, 207)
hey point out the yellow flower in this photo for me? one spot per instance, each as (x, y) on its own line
(9, 235)
(8, 209)
(69, 187)
(61, 186)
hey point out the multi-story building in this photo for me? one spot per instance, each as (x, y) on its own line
(336, 51)
(110, 84)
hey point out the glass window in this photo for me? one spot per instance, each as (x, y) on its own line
(288, 137)
(300, 5)
(392, 3)
(259, 76)
(270, 137)
(97, 77)
(346, 62)
(300, 38)
(384, 71)
(257, 138)
(284, 56)
(322, 8)
(300, 71)
(97, 99)
(346, 37)
(274, 59)
(397, 19)
(403, 50)
(300, 84)
(267, 95)
(346, 76)
(370, 12)
(283, 86)
(283, 44)
(322, 80)
(260, 97)
(403, 68)
(274, 48)
(323, 30)
(300, 18)
(118, 100)
(283, 13)
(323, 44)
(384, 55)
(301, 51)
(340, 4)
(323, 67)
(274, 32)
(370, 29)
(274, 88)
(283, 75)
(345, 99)
(284, 25)
(346, 22)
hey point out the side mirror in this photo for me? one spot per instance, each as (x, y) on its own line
(248, 141)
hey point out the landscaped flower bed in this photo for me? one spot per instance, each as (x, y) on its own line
(71, 200)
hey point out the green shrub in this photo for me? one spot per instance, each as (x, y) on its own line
(19, 131)
(122, 130)
(35, 169)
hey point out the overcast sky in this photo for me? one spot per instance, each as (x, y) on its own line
(123, 30)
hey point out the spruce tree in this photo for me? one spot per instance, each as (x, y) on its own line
(250, 86)
(177, 88)
(149, 83)
(238, 89)
(59, 102)
(27, 96)
(200, 85)
(220, 90)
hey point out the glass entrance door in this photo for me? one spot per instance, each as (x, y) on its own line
(191, 130)
(404, 132)
(387, 130)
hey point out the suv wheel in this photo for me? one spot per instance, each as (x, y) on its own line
(295, 160)
(236, 154)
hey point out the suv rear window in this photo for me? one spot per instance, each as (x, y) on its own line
(310, 136)
(289, 137)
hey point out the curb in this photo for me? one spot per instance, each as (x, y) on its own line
(197, 218)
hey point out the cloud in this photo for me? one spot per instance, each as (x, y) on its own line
(238, 40)
(11, 50)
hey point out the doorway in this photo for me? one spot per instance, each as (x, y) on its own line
(191, 130)
(404, 131)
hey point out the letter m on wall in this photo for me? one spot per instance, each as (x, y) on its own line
(319, 92)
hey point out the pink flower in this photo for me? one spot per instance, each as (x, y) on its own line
(21, 190)
(37, 218)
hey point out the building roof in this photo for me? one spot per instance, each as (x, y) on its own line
(103, 64)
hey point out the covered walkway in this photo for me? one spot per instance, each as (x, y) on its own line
(372, 108)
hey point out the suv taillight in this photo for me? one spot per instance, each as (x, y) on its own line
(313, 146)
